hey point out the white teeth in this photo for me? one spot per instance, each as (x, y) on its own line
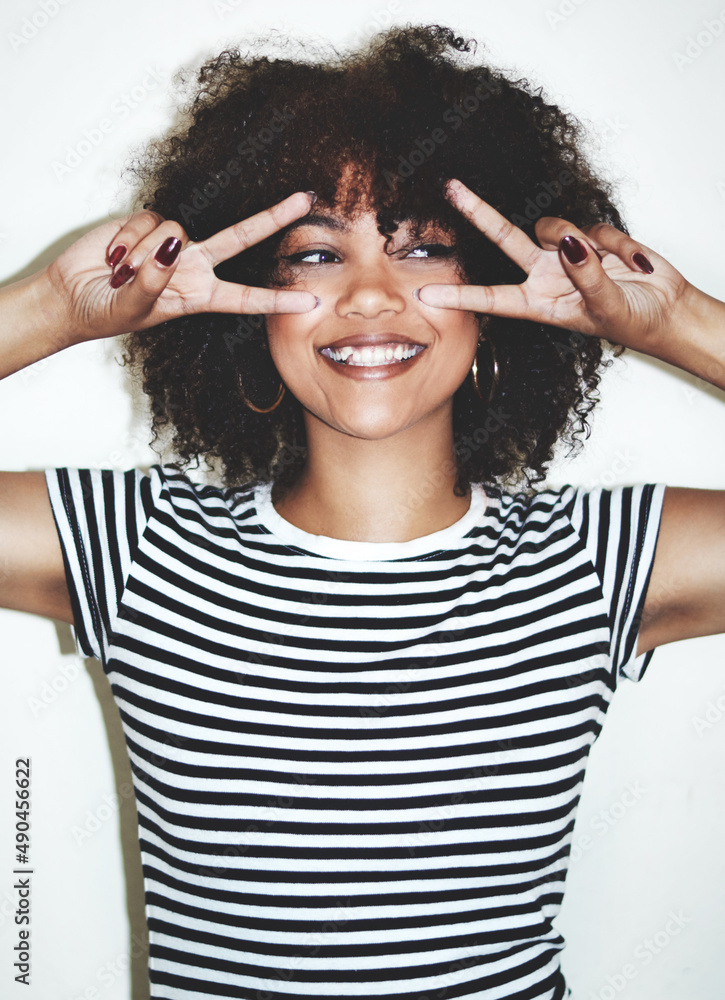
(370, 357)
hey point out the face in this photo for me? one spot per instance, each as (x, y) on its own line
(371, 361)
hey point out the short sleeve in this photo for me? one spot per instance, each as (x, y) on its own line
(100, 516)
(619, 529)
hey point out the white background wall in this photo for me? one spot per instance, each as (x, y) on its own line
(653, 96)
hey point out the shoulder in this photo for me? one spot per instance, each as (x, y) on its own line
(578, 502)
(187, 506)
(178, 488)
(598, 516)
(522, 508)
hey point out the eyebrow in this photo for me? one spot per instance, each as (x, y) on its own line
(324, 221)
(332, 222)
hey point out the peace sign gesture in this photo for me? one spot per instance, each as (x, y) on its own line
(139, 271)
(598, 280)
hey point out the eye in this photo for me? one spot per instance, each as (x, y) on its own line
(312, 257)
(426, 250)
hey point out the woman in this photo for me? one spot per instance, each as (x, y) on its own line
(359, 691)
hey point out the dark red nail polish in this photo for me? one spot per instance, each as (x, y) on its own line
(168, 251)
(312, 196)
(117, 256)
(122, 275)
(573, 249)
(642, 263)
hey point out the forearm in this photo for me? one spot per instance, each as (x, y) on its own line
(694, 339)
(30, 325)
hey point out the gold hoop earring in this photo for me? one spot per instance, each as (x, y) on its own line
(495, 371)
(261, 409)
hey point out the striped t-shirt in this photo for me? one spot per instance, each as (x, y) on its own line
(356, 764)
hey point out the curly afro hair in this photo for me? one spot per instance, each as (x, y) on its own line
(397, 119)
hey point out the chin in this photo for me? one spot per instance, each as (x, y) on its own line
(373, 426)
(378, 419)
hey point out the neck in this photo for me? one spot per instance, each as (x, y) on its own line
(389, 490)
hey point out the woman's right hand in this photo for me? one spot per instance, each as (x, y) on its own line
(73, 300)
(89, 300)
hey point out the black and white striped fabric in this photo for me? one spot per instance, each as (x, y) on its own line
(356, 764)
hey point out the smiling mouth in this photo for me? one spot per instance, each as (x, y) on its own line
(372, 357)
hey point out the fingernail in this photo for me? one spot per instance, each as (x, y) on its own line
(416, 293)
(312, 196)
(318, 301)
(168, 251)
(642, 263)
(440, 296)
(122, 275)
(573, 249)
(117, 256)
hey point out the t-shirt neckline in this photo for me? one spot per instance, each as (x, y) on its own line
(339, 548)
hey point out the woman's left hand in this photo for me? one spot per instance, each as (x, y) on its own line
(597, 280)
(606, 294)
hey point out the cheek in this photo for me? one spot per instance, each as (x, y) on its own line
(288, 336)
(462, 330)
(458, 338)
(286, 333)
(468, 325)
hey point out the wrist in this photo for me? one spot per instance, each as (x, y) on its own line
(49, 317)
(694, 339)
(32, 323)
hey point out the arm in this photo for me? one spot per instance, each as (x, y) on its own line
(626, 293)
(81, 297)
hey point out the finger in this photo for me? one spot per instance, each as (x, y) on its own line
(602, 297)
(229, 297)
(508, 237)
(138, 289)
(550, 232)
(233, 240)
(635, 255)
(494, 300)
(133, 229)
(601, 237)
(166, 238)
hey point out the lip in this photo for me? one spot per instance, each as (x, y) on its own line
(371, 340)
(360, 373)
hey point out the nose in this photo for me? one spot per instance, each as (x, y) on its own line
(371, 291)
